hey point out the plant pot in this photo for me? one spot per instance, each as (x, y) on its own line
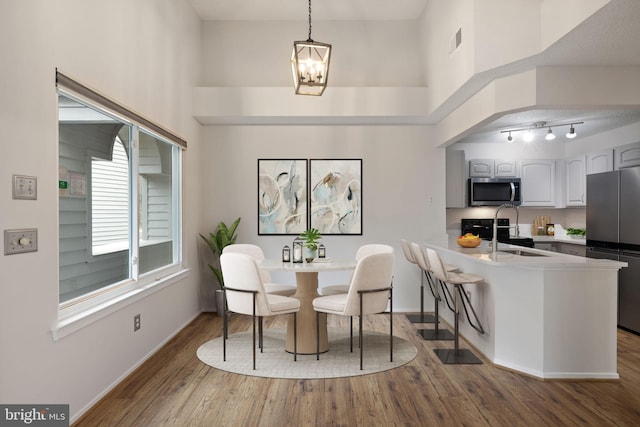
(309, 254)
(220, 303)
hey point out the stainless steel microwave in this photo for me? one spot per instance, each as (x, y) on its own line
(494, 191)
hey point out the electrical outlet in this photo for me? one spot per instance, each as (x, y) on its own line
(136, 322)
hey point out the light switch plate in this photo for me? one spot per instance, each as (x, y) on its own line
(20, 241)
(25, 187)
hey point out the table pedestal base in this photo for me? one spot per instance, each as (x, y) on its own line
(306, 291)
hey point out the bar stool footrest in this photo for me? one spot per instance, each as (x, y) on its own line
(457, 357)
(418, 318)
(433, 335)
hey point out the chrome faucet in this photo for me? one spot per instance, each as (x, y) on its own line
(494, 241)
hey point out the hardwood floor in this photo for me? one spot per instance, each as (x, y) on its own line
(174, 388)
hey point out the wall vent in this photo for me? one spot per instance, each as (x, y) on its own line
(455, 41)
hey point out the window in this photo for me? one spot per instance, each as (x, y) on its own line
(119, 200)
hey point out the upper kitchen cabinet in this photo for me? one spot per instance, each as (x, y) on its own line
(576, 181)
(627, 156)
(456, 179)
(505, 168)
(481, 168)
(600, 161)
(490, 168)
(538, 182)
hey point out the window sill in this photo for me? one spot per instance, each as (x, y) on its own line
(68, 324)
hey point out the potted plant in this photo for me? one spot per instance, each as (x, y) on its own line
(311, 238)
(222, 237)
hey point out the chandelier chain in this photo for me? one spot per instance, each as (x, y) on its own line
(309, 20)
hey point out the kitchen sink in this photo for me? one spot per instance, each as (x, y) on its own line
(522, 253)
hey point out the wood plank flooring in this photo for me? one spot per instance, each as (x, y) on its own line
(174, 388)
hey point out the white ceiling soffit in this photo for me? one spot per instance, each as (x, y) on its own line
(322, 10)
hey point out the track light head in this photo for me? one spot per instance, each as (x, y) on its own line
(572, 133)
(528, 136)
(509, 138)
(550, 136)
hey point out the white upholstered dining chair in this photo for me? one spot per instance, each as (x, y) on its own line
(364, 250)
(370, 291)
(255, 252)
(245, 294)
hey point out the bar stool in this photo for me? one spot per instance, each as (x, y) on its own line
(458, 280)
(436, 333)
(416, 318)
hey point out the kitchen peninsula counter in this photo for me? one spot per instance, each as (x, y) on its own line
(549, 315)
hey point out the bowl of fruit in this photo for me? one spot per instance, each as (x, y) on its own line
(469, 240)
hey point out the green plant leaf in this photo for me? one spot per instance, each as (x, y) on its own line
(222, 237)
(311, 237)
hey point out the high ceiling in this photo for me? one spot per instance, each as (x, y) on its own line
(287, 10)
(611, 37)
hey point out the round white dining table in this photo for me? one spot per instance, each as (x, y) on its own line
(306, 291)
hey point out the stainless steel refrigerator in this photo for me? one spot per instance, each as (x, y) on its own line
(613, 232)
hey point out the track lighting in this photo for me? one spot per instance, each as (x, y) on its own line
(550, 136)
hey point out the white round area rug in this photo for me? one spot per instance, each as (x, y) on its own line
(275, 362)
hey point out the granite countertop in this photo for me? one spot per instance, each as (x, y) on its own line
(511, 255)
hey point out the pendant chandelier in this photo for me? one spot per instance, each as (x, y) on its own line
(310, 65)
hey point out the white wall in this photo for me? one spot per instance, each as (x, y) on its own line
(145, 55)
(403, 195)
(373, 53)
(446, 73)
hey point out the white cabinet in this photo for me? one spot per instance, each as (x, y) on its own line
(576, 181)
(492, 168)
(456, 182)
(627, 156)
(538, 182)
(481, 168)
(600, 161)
(504, 168)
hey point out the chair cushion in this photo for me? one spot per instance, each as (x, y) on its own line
(470, 277)
(330, 304)
(333, 290)
(280, 304)
(463, 278)
(279, 289)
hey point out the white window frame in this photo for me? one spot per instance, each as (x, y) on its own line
(77, 313)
